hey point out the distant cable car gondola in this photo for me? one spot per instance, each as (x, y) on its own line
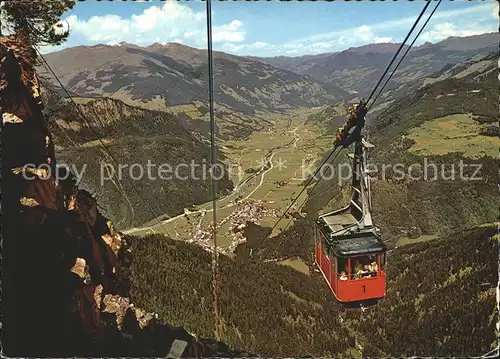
(349, 250)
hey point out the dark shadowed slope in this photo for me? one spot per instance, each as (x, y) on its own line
(441, 300)
(135, 137)
(443, 291)
(65, 286)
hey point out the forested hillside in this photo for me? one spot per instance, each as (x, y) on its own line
(442, 290)
(447, 123)
(442, 293)
(85, 137)
(267, 308)
(124, 242)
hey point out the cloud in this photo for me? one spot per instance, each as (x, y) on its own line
(401, 23)
(382, 40)
(175, 22)
(356, 36)
(495, 10)
(335, 41)
(108, 28)
(260, 44)
(230, 32)
(385, 31)
(290, 49)
(444, 30)
(246, 48)
(166, 23)
(439, 15)
(364, 33)
(359, 35)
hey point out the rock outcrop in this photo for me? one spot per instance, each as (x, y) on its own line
(64, 266)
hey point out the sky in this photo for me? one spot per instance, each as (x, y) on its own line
(272, 28)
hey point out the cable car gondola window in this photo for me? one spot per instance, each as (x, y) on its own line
(341, 265)
(324, 248)
(364, 266)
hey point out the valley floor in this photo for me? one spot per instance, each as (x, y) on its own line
(441, 285)
(268, 170)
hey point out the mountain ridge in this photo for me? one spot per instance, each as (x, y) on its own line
(180, 77)
(170, 74)
(383, 47)
(358, 68)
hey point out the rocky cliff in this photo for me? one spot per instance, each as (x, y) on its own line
(64, 267)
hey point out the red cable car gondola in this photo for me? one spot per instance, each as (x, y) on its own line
(349, 250)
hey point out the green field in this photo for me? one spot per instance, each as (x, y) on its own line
(424, 238)
(296, 143)
(297, 264)
(274, 186)
(453, 133)
(83, 100)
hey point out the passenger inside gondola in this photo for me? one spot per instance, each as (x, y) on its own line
(365, 266)
(342, 268)
(358, 269)
(373, 268)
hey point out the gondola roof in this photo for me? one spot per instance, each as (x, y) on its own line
(358, 245)
(355, 242)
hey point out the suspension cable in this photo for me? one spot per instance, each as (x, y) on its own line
(271, 247)
(300, 207)
(374, 90)
(399, 50)
(404, 55)
(103, 146)
(296, 198)
(213, 161)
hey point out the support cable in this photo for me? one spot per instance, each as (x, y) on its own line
(374, 90)
(404, 55)
(296, 198)
(213, 160)
(103, 146)
(369, 98)
(399, 50)
(271, 247)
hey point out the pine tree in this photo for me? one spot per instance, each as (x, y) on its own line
(38, 22)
